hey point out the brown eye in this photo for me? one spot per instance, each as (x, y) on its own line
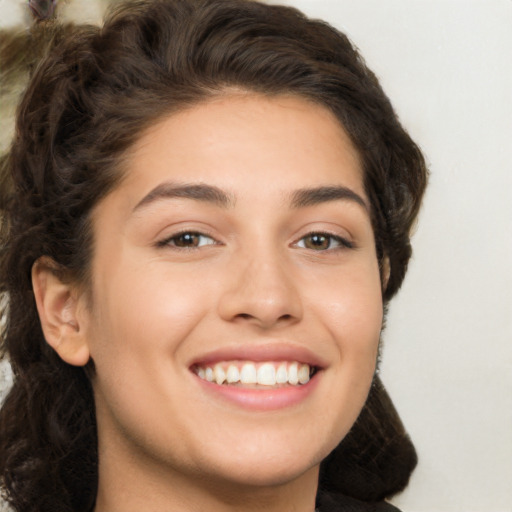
(187, 240)
(317, 242)
(323, 242)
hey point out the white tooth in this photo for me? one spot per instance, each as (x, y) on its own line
(200, 373)
(303, 373)
(220, 374)
(282, 374)
(208, 373)
(266, 374)
(232, 375)
(293, 377)
(248, 374)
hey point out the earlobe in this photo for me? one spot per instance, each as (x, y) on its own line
(57, 305)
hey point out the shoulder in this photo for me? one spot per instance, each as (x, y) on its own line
(330, 502)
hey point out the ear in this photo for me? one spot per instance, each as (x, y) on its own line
(58, 304)
(385, 272)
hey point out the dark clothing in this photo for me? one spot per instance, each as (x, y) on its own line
(339, 503)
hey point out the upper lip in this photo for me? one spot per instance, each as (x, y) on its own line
(261, 352)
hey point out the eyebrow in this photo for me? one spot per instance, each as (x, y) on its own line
(208, 193)
(198, 192)
(313, 196)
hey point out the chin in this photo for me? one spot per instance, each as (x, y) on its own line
(260, 466)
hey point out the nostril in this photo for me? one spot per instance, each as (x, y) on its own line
(247, 316)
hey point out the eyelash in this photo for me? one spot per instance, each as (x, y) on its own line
(342, 243)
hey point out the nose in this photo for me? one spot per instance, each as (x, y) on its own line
(261, 291)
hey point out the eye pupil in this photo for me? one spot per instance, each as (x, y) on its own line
(317, 242)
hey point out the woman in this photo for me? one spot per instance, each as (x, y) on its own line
(207, 210)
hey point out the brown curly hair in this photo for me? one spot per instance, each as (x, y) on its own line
(88, 101)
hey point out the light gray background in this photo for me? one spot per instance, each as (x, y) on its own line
(446, 65)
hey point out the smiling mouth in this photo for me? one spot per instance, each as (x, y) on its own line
(249, 374)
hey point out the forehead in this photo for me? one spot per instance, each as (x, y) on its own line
(246, 141)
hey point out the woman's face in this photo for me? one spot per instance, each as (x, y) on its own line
(238, 246)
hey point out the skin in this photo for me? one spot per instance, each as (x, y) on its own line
(255, 279)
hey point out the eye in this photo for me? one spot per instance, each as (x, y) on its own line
(187, 240)
(323, 242)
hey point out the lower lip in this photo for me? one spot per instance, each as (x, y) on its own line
(261, 399)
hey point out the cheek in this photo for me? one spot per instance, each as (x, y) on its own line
(140, 319)
(142, 316)
(350, 308)
(137, 301)
(351, 303)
